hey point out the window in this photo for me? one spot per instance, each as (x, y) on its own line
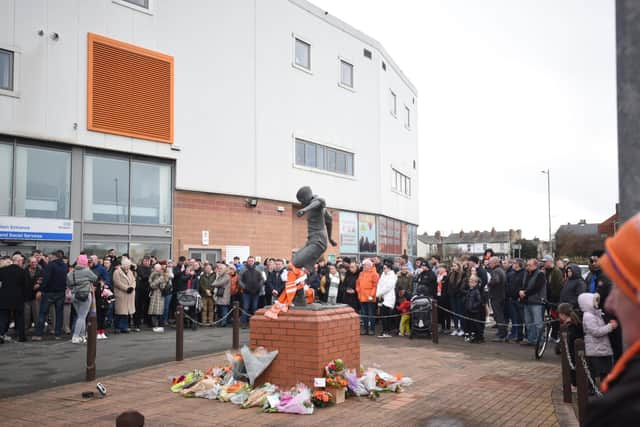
(318, 156)
(346, 74)
(120, 190)
(302, 54)
(6, 69)
(367, 53)
(101, 248)
(41, 190)
(159, 250)
(140, 3)
(106, 189)
(150, 193)
(400, 183)
(6, 178)
(393, 100)
(407, 120)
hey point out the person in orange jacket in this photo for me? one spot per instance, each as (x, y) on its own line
(366, 287)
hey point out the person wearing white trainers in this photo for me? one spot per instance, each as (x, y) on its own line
(158, 329)
(157, 282)
(80, 282)
(386, 292)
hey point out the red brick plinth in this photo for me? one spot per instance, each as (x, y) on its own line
(307, 340)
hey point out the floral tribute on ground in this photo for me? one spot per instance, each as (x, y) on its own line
(234, 383)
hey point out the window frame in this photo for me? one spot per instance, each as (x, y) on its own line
(296, 37)
(400, 183)
(15, 71)
(342, 84)
(394, 107)
(326, 148)
(149, 10)
(407, 123)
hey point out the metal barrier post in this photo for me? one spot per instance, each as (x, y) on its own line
(434, 321)
(92, 333)
(566, 369)
(179, 333)
(236, 325)
(581, 381)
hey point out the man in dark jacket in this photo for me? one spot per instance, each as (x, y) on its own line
(620, 404)
(533, 295)
(280, 280)
(251, 282)
(143, 272)
(54, 284)
(573, 287)
(497, 295)
(428, 280)
(12, 286)
(32, 288)
(515, 283)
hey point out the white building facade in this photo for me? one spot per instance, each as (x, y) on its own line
(219, 102)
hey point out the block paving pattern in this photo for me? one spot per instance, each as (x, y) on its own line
(452, 388)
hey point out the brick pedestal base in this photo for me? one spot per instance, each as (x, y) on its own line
(306, 340)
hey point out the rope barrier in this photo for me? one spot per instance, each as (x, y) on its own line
(206, 324)
(448, 311)
(591, 381)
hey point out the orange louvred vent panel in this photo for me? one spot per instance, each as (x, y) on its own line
(129, 90)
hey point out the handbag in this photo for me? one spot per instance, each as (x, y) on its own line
(168, 289)
(219, 292)
(80, 296)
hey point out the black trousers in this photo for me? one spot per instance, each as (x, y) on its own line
(142, 307)
(498, 316)
(19, 319)
(387, 322)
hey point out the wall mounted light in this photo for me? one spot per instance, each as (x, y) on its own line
(252, 203)
(54, 36)
(280, 208)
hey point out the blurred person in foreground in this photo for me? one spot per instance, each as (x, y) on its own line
(620, 403)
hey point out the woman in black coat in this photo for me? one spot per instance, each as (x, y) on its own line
(347, 291)
(12, 285)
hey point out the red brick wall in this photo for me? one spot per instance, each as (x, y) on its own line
(230, 222)
(306, 340)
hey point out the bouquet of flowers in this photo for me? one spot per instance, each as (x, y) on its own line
(320, 399)
(258, 397)
(295, 401)
(333, 368)
(337, 381)
(185, 381)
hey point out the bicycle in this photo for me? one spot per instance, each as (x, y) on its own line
(545, 333)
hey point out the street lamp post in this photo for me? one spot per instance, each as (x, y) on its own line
(549, 206)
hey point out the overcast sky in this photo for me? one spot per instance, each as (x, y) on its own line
(506, 88)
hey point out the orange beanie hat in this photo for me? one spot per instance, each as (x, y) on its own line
(621, 261)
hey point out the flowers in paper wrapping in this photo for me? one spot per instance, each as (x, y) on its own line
(296, 401)
(337, 381)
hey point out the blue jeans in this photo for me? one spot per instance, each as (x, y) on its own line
(368, 310)
(56, 298)
(457, 306)
(223, 310)
(514, 311)
(533, 317)
(249, 305)
(167, 306)
(122, 322)
(82, 310)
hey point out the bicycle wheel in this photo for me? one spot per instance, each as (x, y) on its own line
(543, 340)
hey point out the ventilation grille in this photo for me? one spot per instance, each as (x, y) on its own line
(130, 90)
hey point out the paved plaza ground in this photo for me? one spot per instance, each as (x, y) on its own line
(456, 384)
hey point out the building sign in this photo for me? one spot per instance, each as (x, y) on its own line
(367, 237)
(205, 237)
(348, 233)
(19, 228)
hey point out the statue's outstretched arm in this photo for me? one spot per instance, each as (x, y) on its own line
(315, 203)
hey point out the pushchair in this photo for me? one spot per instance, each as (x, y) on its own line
(191, 301)
(420, 316)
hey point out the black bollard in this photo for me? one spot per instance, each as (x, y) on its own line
(236, 325)
(566, 369)
(581, 381)
(92, 334)
(434, 321)
(179, 333)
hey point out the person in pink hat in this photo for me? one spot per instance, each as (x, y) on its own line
(620, 403)
(80, 281)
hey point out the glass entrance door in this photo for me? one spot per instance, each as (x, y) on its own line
(210, 255)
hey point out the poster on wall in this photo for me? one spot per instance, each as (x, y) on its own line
(241, 252)
(367, 238)
(348, 232)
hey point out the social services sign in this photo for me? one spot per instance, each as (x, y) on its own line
(16, 228)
